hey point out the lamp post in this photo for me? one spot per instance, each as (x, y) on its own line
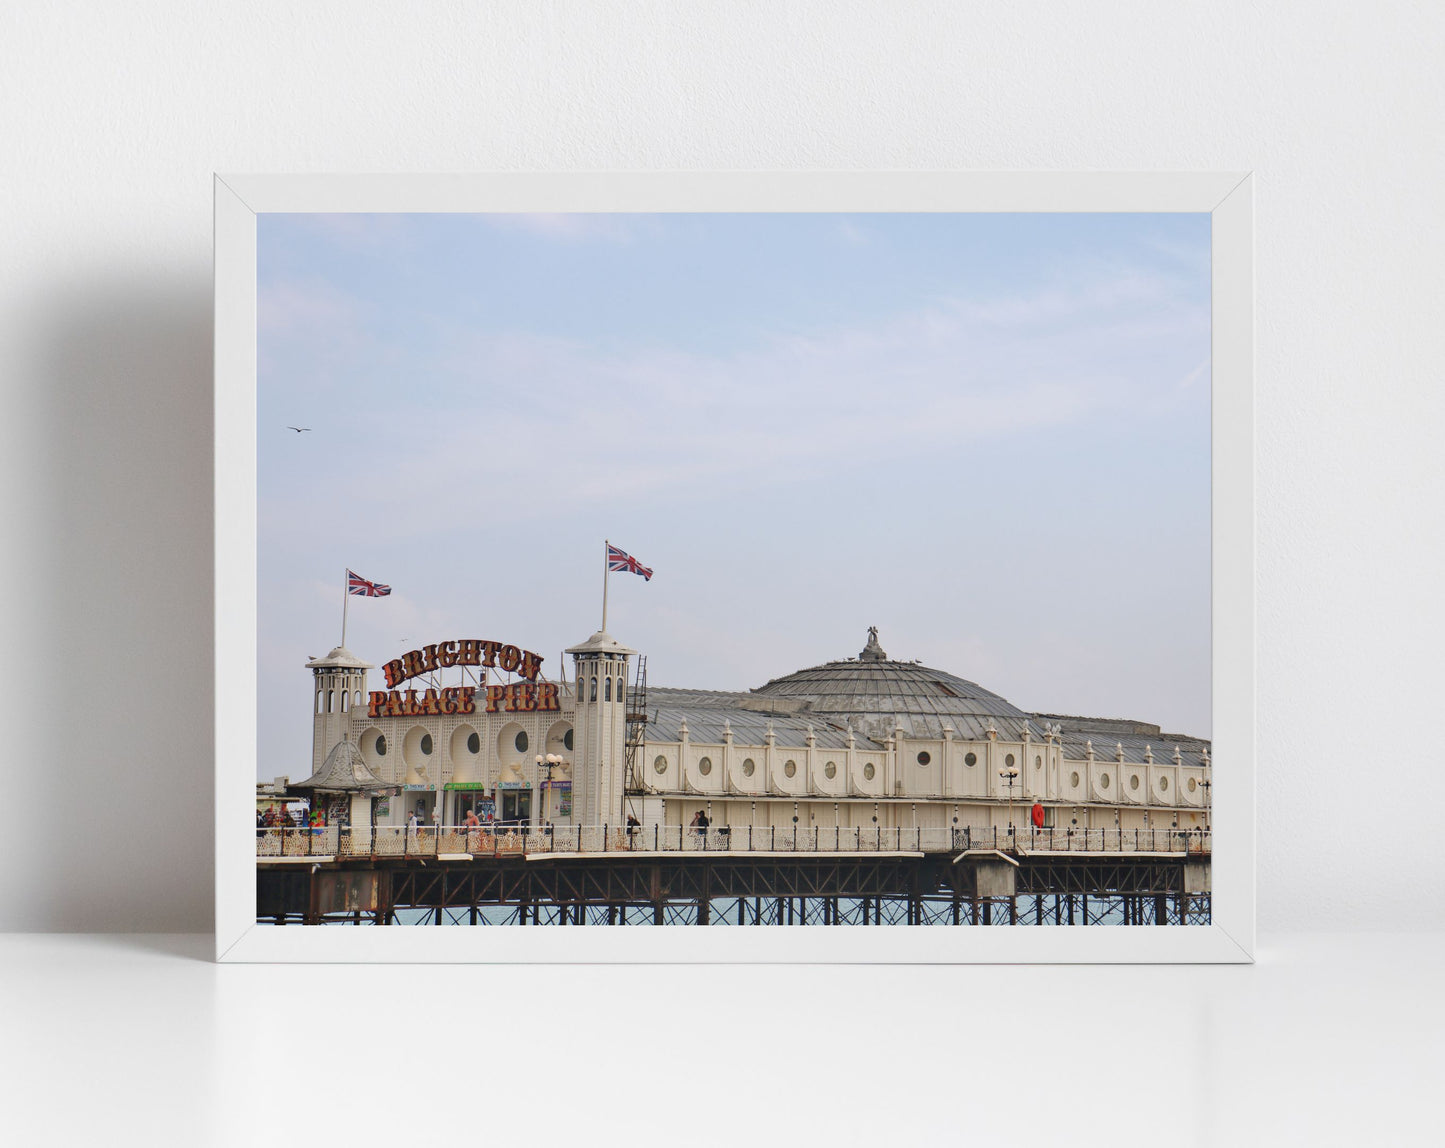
(1010, 775)
(549, 762)
(1206, 785)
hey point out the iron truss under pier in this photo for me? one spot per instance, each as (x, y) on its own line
(903, 888)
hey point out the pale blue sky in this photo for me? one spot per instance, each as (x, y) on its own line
(988, 435)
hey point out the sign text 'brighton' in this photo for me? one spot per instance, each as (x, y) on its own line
(463, 652)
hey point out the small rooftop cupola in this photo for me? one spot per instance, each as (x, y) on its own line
(873, 652)
(338, 683)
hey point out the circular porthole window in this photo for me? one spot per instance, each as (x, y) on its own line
(1009, 760)
(1133, 781)
(1074, 779)
(521, 742)
(970, 759)
(1038, 763)
(660, 764)
(830, 770)
(704, 766)
(868, 771)
(1193, 785)
(567, 740)
(924, 758)
(474, 743)
(749, 765)
(790, 767)
(381, 745)
(426, 744)
(1163, 784)
(1103, 781)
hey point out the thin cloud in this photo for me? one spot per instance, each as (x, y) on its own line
(796, 407)
(571, 227)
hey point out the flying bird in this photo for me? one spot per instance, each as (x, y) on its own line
(298, 430)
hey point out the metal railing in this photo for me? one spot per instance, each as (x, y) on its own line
(504, 841)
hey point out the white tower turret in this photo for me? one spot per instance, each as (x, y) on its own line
(599, 755)
(339, 684)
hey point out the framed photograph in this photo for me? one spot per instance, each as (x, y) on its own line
(734, 567)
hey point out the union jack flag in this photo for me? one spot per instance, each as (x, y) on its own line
(356, 584)
(618, 560)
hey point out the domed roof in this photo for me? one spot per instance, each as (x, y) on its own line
(339, 658)
(874, 694)
(343, 771)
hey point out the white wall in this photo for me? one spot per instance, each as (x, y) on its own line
(112, 118)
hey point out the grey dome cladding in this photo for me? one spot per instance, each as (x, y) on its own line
(876, 695)
(343, 771)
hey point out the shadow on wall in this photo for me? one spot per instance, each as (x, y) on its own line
(119, 740)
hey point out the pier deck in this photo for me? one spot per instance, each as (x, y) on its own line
(667, 875)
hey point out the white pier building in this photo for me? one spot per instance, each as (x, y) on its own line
(865, 741)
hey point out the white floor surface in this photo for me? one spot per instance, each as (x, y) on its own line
(1328, 1039)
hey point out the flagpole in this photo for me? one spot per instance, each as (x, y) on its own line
(605, 564)
(345, 601)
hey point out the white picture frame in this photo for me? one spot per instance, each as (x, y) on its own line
(1227, 196)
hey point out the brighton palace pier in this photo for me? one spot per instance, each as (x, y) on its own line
(465, 787)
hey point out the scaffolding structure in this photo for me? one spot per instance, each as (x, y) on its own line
(636, 735)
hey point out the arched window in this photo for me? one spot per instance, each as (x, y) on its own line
(345, 701)
(356, 701)
(607, 689)
(593, 698)
(330, 701)
(320, 702)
